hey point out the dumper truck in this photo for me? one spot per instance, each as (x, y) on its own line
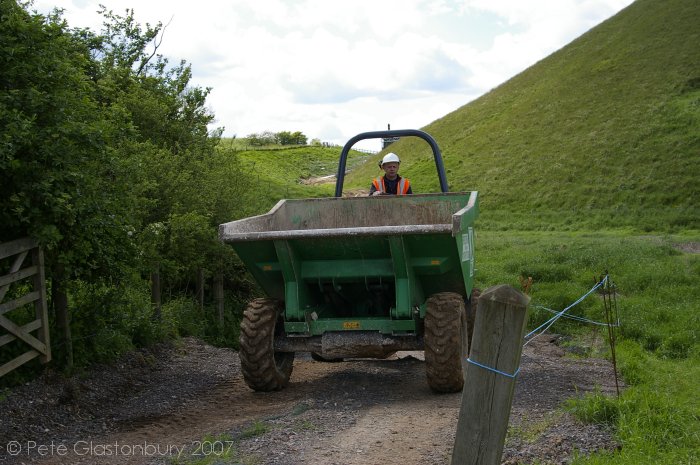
(357, 277)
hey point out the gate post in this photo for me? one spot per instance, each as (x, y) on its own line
(40, 308)
(490, 376)
(219, 296)
(156, 292)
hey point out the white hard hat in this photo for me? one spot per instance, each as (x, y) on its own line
(390, 157)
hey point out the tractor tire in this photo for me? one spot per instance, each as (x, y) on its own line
(446, 342)
(263, 369)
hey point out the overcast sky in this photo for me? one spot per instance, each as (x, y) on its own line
(333, 69)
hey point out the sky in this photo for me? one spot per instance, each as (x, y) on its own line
(333, 69)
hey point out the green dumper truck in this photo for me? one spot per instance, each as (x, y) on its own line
(350, 277)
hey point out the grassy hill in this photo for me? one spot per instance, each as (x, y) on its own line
(281, 172)
(603, 133)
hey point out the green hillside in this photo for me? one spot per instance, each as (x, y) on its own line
(285, 172)
(603, 133)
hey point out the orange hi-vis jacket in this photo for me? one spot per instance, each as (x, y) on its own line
(401, 189)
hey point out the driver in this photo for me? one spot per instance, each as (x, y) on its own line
(391, 183)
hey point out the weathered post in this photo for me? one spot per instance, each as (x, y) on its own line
(219, 296)
(490, 376)
(155, 293)
(59, 300)
(40, 308)
(200, 290)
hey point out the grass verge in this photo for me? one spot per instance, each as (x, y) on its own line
(657, 418)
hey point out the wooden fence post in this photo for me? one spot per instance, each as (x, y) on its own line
(41, 311)
(488, 395)
(200, 290)
(155, 292)
(219, 296)
(59, 300)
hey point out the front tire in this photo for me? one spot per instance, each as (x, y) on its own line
(263, 368)
(446, 342)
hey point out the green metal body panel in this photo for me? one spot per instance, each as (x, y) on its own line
(344, 264)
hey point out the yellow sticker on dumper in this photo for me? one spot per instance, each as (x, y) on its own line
(351, 325)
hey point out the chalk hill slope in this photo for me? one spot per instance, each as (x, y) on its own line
(604, 132)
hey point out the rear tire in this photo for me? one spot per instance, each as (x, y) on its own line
(263, 368)
(446, 342)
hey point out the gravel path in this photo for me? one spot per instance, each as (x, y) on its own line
(178, 403)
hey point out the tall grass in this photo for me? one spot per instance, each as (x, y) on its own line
(656, 418)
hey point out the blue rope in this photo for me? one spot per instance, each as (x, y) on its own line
(578, 318)
(503, 373)
(532, 334)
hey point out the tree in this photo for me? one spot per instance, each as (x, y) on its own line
(291, 138)
(103, 142)
(285, 138)
(60, 177)
(299, 138)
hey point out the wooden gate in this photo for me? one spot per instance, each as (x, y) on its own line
(34, 293)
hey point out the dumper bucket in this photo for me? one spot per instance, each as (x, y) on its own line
(359, 263)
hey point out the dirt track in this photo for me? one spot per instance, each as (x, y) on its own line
(355, 412)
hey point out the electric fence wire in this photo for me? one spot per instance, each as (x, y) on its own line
(547, 324)
(610, 307)
(578, 318)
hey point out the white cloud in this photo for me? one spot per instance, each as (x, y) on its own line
(334, 69)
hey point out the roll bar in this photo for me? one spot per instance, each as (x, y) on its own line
(386, 134)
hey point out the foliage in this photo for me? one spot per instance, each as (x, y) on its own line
(110, 318)
(291, 138)
(258, 428)
(263, 138)
(61, 180)
(107, 159)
